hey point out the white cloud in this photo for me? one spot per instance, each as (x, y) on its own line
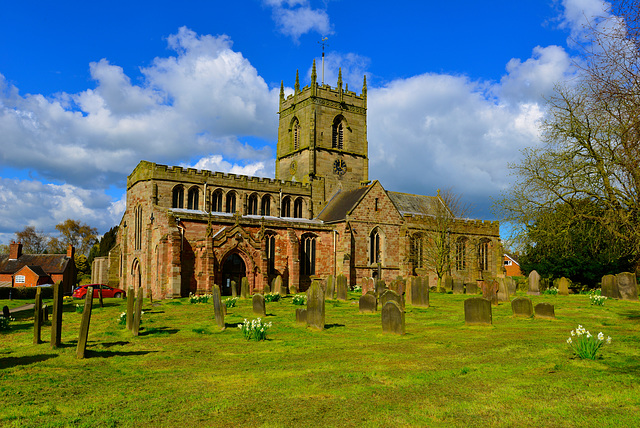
(296, 17)
(217, 163)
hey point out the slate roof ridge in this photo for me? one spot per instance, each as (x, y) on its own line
(339, 206)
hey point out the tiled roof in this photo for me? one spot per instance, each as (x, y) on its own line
(341, 204)
(50, 263)
(415, 204)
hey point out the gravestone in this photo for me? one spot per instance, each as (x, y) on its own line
(45, 313)
(563, 286)
(234, 289)
(503, 291)
(130, 300)
(83, 335)
(56, 319)
(477, 311)
(392, 317)
(100, 298)
(545, 310)
(447, 282)
(407, 289)
(277, 286)
(534, 283)
(330, 287)
(511, 285)
(398, 285)
(472, 287)
(301, 315)
(37, 317)
(371, 285)
(137, 313)
(5, 312)
(368, 303)
(391, 295)
(258, 305)
(341, 282)
(244, 289)
(293, 289)
(420, 291)
(315, 306)
(490, 291)
(218, 312)
(609, 287)
(522, 307)
(627, 286)
(458, 286)
(381, 286)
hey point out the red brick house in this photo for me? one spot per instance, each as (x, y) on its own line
(511, 266)
(30, 270)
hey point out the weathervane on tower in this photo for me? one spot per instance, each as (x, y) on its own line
(323, 44)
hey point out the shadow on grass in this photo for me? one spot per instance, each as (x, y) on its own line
(92, 353)
(110, 344)
(160, 331)
(328, 326)
(9, 362)
(152, 312)
(632, 315)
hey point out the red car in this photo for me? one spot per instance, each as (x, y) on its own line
(107, 291)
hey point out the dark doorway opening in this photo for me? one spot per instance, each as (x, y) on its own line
(233, 269)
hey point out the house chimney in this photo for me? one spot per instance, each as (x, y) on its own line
(15, 250)
(70, 251)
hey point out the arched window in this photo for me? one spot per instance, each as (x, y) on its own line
(178, 197)
(337, 133)
(295, 129)
(270, 249)
(137, 229)
(308, 255)
(483, 254)
(285, 210)
(375, 247)
(297, 208)
(193, 198)
(230, 205)
(252, 206)
(216, 201)
(461, 253)
(415, 251)
(265, 206)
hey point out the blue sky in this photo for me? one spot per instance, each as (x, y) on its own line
(88, 89)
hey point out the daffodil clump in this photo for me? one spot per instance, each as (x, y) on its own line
(272, 297)
(254, 329)
(122, 319)
(597, 300)
(79, 308)
(231, 302)
(585, 345)
(4, 323)
(299, 299)
(203, 298)
(357, 288)
(551, 290)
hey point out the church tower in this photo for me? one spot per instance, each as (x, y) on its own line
(322, 138)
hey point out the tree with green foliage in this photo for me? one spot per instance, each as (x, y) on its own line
(83, 268)
(75, 233)
(104, 245)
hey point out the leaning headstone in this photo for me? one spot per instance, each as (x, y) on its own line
(258, 305)
(490, 291)
(315, 306)
(472, 287)
(368, 303)
(37, 317)
(234, 289)
(218, 312)
(447, 282)
(477, 311)
(503, 292)
(56, 319)
(534, 283)
(420, 291)
(330, 287)
(131, 296)
(392, 317)
(610, 287)
(244, 289)
(301, 315)
(135, 328)
(458, 286)
(391, 295)
(341, 287)
(627, 286)
(83, 335)
(544, 310)
(563, 286)
(277, 285)
(380, 287)
(522, 307)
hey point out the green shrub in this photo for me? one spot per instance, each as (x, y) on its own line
(299, 299)
(231, 302)
(271, 297)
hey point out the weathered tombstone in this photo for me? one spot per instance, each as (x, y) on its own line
(315, 306)
(56, 319)
(477, 311)
(45, 313)
(627, 286)
(277, 285)
(381, 286)
(218, 312)
(503, 292)
(610, 287)
(99, 297)
(420, 291)
(407, 289)
(563, 286)
(234, 289)
(83, 335)
(534, 283)
(293, 289)
(37, 317)
(511, 285)
(522, 307)
(390, 295)
(258, 305)
(472, 287)
(341, 282)
(301, 315)
(368, 303)
(398, 285)
(458, 286)
(371, 285)
(135, 328)
(5, 312)
(490, 291)
(130, 299)
(244, 290)
(447, 282)
(330, 287)
(545, 310)
(392, 317)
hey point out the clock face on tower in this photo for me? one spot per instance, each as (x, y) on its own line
(339, 167)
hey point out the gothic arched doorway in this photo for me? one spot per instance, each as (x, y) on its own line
(233, 269)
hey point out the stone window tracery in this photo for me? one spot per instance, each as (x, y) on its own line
(461, 253)
(265, 206)
(193, 198)
(308, 255)
(252, 206)
(297, 208)
(216, 201)
(230, 206)
(178, 197)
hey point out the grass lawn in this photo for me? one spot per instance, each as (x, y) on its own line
(183, 371)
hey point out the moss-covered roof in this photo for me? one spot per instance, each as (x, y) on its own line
(407, 203)
(341, 204)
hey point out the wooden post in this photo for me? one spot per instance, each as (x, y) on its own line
(100, 295)
(130, 298)
(37, 317)
(56, 320)
(84, 324)
(138, 314)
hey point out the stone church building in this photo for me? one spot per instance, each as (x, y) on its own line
(185, 229)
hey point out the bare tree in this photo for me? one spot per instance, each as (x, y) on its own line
(33, 241)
